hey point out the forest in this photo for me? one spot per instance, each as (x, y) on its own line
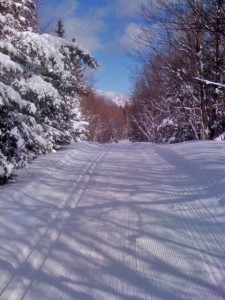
(112, 129)
(178, 94)
(46, 102)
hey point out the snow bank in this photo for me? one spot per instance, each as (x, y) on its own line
(221, 137)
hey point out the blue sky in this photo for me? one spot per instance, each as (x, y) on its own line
(105, 28)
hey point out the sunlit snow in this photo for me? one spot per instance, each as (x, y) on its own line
(124, 221)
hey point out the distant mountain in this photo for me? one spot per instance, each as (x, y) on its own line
(118, 99)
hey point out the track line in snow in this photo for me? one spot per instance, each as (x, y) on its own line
(16, 287)
(135, 229)
(214, 264)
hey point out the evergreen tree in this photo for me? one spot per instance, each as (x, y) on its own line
(41, 85)
(59, 29)
(18, 128)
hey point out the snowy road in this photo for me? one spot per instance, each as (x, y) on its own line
(126, 221)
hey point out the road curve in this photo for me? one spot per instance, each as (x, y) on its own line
(127, 221)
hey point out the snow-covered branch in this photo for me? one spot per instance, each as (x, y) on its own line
(210, 83)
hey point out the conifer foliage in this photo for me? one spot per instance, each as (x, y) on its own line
(41, 85)
(59, 30)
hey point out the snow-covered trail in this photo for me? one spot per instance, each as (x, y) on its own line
(126, 221)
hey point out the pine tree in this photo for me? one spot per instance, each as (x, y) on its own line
(59, 30)
(41, 85)
(18, 128)
(19, 15)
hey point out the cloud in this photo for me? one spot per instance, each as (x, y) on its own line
(137, 37)
(86, 31)
(129, 8)
(86, 28)
(133, 8)
(132, 37)
(48, 20)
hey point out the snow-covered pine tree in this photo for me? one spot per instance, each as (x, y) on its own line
(56, 86)
(17, 15)
(18, 128)
(41, 83)
(59, 29)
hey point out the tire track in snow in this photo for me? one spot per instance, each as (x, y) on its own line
(214, 266)
(85, 243)
(159, 263)
(137, 248)
(55, 165)
(35, 257)
(203, 212)
(19, 193)
(214, 250)
(118, 227)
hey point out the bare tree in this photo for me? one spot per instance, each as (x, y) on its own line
(107, 121)
(187, 39)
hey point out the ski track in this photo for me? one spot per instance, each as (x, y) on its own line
(127, 221)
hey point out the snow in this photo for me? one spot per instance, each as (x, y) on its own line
(47, 44)
(2, 18)
(42, 88)
(221, 137)
(9, 94)
(54, 49)
(208, 82)
(9, 47)
(121, 221)
(5, 167)
(118, 99)
(166, 122)
(7, 64)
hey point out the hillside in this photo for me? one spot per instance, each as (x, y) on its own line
(118, 99)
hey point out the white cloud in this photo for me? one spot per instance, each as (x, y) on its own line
(132, 37)
(132, 8)
(86, 31)
(48, 20)
(129, 8)
(138, 37)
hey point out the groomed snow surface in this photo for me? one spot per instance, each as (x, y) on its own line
(126, 221)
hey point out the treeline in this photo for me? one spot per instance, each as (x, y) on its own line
(107, 122)
(41, 87)
(178, 94)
